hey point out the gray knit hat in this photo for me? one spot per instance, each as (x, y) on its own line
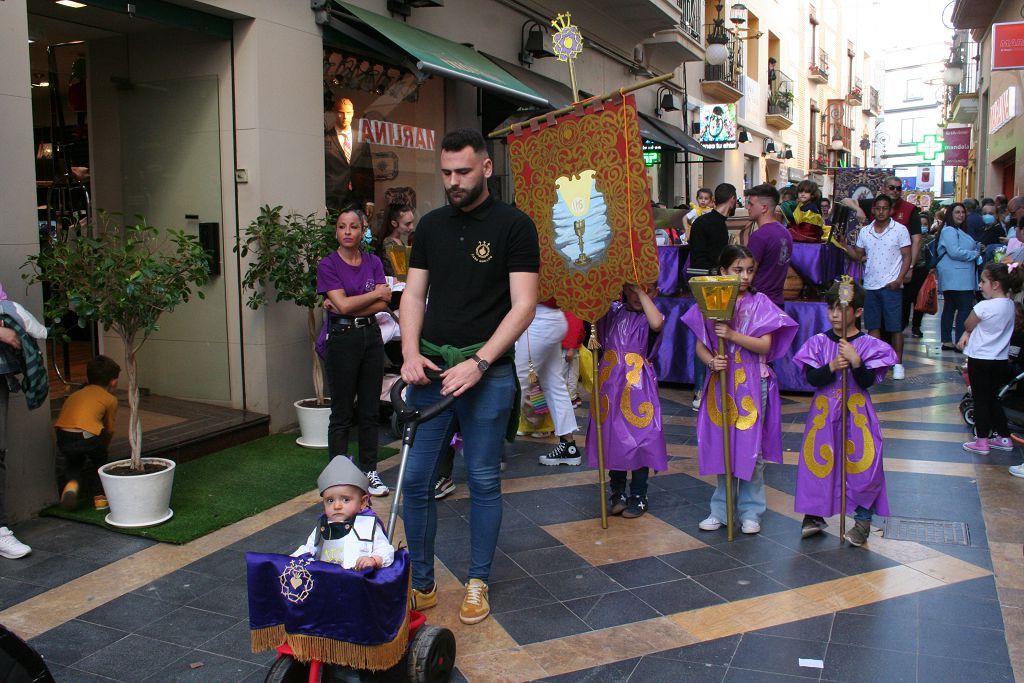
(341, 472)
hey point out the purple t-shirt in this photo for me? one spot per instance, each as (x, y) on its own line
(772, 247)
(333, 273)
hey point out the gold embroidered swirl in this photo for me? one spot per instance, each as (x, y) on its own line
(743, 421)
(636, 362)
(816, 468)
(861, 422)
(611, 359)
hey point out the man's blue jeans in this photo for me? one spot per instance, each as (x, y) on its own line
(482, 413)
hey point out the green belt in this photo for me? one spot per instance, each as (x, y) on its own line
(453, 355)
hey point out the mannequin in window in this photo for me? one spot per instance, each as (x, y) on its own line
(348, 163)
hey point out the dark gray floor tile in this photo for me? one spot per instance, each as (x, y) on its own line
(502, 568)
(555, 513)
(74, 640)
(643, 572)
(204, 666)
(111, 547)
(611, 609)
(9, 567)
(512, 520)
(677, 596)
(529, 538)
(129, 612)
(776, 655)
(963, 642)
(700, 561)
(655, 670)
(852, 561)
(945, 670)
(975, 589)
(796, 571)
(903, 606)
(235, 643)
(815, 628)
(188, 626)
(754, 549)
(578, 583)
(12, 592)
(507, 596)
(718, 652)
(738, 675)
(134, 658)
(179, 588)
(54, 571)
(959, 609)
(739, 584)
(231, 599)
(63, 674)
(852, 664)
(229, 563)
(547, 560)
(608, 673)
(537, 624)
(883, 633)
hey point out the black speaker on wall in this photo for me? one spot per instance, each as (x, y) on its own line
(209, 238)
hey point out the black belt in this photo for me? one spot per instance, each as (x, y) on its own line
(343, 323)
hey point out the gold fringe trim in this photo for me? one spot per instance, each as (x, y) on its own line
(330, 651)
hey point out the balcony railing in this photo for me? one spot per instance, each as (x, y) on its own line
(819, 156)
(874, 100)
(692, 18)
(856, 95)
(730, 71)
(819, 63)
(780, 97)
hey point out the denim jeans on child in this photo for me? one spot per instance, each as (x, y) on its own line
(482, 413)
(750, 502)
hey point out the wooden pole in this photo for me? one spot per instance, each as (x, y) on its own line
(723, 387)
(565, 110)
(842, 443)
(595, 412)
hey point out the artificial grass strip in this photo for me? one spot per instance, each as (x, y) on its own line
(224, 487)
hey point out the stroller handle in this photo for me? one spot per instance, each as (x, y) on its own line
(407, 414)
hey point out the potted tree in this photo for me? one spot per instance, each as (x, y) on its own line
(284, 252)
(124, 279)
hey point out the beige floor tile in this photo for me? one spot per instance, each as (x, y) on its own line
(624, 539)
(472, 639)
(500, 666)
(949, 569)
(708, 623)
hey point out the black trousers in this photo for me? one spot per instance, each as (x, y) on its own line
(79, 458)
(637, 487)
(910, 292)
(987, 378)
(355, 366)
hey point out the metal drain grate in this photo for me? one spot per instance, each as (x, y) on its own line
(927, 531)
(936, 378)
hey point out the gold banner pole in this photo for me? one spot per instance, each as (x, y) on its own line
(595, 411)
(723, 387)
(845, 297)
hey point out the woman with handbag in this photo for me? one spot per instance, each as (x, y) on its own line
(957, 270)
(539, 365)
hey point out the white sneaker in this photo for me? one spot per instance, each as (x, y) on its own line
(750, 526)
(898, 372)
(712, 523)
(377, 487)
(696, 400)
(11, 547)
(1018, 470)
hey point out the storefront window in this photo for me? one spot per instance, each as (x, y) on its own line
(382, 130)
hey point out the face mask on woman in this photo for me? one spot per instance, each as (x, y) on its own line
(988, 219)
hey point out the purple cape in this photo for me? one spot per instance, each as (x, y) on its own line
(817, 480)
(631, 428)
(751, 432)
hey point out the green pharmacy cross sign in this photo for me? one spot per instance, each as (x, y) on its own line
(930, 147)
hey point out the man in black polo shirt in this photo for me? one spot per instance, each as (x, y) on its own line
(709, 235)
(479, 258)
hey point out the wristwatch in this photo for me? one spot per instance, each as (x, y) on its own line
(481, 364)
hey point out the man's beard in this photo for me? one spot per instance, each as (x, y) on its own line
(469, 195)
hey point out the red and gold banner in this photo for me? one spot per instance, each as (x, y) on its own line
(581, 178)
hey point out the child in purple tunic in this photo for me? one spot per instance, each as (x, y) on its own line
(631, 429)
(825, 357)
(758, 334)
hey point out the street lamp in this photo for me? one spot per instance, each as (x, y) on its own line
(718, 40)
(738, 14)
(865, 145)
(954, 72)
(837, 143)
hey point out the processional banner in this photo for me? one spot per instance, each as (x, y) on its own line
(581, 178)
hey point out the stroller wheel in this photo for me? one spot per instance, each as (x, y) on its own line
(431, 655)
(967, 411)
(287, 669)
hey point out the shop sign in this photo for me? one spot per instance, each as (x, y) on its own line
(1003, 110)
(1008, 45)
(718, 129)
(396, 135)
(958, 146)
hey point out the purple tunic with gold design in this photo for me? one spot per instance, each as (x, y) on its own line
(817, 481)
(751, 433)
(631, 428)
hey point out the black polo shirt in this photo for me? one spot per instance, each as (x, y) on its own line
(709, 235)
(469, 256)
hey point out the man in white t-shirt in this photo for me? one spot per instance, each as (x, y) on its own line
(884, 247)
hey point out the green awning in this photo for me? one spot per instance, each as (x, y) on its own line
(440, 56)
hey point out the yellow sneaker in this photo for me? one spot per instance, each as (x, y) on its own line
(419, 601)
(100, 502)
(475, 606)
(69, 496)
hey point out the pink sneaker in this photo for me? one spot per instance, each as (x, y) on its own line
(979, 446)
(1001, 443)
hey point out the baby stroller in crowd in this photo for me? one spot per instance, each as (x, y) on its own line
(1011, 394)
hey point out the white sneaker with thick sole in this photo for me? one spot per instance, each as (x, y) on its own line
(750, 526)
(696, 400)
(712, 523)
(1018, 470)
(898, 372)
(10, 546)
(377, 487)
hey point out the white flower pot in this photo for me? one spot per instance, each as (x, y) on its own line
(313, 421)
(138, 500)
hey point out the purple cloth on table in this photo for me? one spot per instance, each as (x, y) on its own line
(753, 432)
(674, 358)
(772, 247)
(631, 427)
(819, 264)
(668, 275)
(817, 484)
